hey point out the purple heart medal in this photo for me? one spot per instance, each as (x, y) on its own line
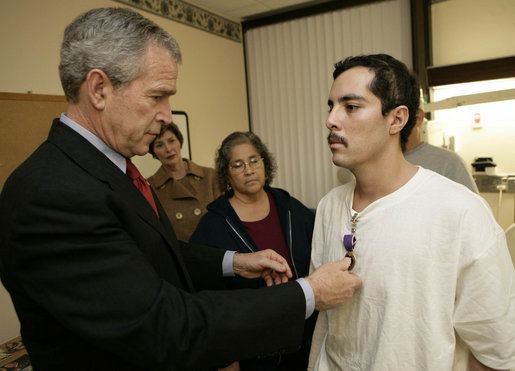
(349, 241)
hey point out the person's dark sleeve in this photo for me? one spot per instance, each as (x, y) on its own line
(204, 265)
(208, 232)
(72, 255)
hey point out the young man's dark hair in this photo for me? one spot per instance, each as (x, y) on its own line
(393, 84)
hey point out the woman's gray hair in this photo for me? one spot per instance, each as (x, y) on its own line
(223, 157)
(113, 40)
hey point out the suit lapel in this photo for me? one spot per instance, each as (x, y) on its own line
(98, 165)
(85, 155)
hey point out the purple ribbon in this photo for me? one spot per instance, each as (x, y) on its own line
(349, 241)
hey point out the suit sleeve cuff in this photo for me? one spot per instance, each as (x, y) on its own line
(309, 295)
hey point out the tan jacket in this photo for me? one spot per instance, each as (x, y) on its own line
(185, 200)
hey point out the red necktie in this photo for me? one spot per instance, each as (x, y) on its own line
(141, 184)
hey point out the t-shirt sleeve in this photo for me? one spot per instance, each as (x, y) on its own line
(484, 315)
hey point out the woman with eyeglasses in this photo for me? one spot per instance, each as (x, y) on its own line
(253, 216)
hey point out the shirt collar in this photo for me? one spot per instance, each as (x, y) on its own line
(111, 154)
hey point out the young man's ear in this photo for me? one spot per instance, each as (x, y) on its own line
(399, 116)
(98, 86)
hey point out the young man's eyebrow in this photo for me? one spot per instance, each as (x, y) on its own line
(350, 97)
(346, 98)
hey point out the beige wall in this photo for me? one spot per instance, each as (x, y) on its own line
(472, 30)
(211, 84)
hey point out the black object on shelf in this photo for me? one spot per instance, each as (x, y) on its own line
(481, 163)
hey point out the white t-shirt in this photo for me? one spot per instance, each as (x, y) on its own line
(435, 268)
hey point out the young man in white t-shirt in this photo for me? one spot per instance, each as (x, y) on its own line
(438, 282)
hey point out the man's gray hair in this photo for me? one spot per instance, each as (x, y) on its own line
(113, 40)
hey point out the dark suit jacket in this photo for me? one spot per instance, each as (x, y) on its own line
(100, 283)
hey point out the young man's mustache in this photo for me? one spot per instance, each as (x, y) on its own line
(333, 137)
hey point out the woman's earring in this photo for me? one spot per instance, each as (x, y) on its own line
(229, 187)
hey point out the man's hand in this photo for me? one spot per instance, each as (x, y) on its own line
(267, 264)
(332, 284)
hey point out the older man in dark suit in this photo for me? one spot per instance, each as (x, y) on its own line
(95, 272)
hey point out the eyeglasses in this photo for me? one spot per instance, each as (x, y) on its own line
(238, 166)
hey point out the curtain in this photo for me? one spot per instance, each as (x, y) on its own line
(289, 75)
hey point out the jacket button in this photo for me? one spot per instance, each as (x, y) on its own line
(178, 216)
(197, 211)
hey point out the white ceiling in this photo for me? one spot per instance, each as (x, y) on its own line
(238, 10)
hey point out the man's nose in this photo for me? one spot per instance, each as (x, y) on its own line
(331, 122)
(165, 112)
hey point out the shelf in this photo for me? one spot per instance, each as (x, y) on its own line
(494, 183)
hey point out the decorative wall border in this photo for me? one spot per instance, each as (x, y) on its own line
(190, 15)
